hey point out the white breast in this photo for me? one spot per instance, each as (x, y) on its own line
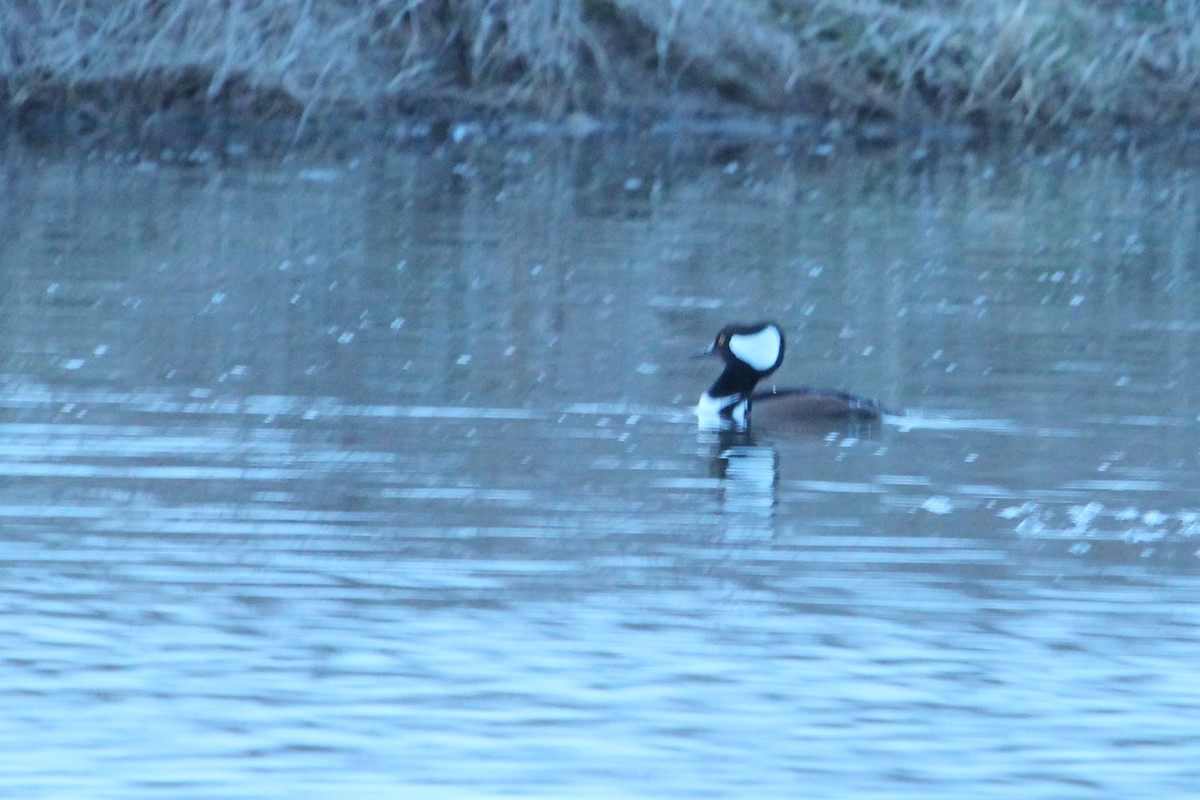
(708, 411)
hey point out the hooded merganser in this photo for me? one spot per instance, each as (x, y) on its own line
(751, 353)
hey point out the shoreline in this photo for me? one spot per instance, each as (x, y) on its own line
(203, 132)
(158, 74)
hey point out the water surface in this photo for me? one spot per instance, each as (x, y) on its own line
(377, 477)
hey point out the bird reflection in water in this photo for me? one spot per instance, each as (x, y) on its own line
(748, 472)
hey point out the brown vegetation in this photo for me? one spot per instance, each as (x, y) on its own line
(1024, 64)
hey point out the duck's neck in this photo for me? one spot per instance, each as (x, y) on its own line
(737, 380)
(729, 396)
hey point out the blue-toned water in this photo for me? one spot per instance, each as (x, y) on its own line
(377, 477)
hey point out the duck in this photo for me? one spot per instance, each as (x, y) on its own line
(755, 351)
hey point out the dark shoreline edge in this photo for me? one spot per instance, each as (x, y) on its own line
(178, 124)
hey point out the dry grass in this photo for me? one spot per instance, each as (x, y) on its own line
(1029, 64)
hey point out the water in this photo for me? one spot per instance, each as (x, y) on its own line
(378, 478)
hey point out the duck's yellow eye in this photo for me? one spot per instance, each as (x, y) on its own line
(721, 340)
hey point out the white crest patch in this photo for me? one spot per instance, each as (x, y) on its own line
(759, 350)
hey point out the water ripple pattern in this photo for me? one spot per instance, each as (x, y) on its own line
(386, 484)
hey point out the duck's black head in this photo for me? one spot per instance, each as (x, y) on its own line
(751, 353)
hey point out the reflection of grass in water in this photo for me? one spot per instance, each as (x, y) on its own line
(1025, 63)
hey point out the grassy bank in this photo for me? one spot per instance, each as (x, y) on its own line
(82, 67)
